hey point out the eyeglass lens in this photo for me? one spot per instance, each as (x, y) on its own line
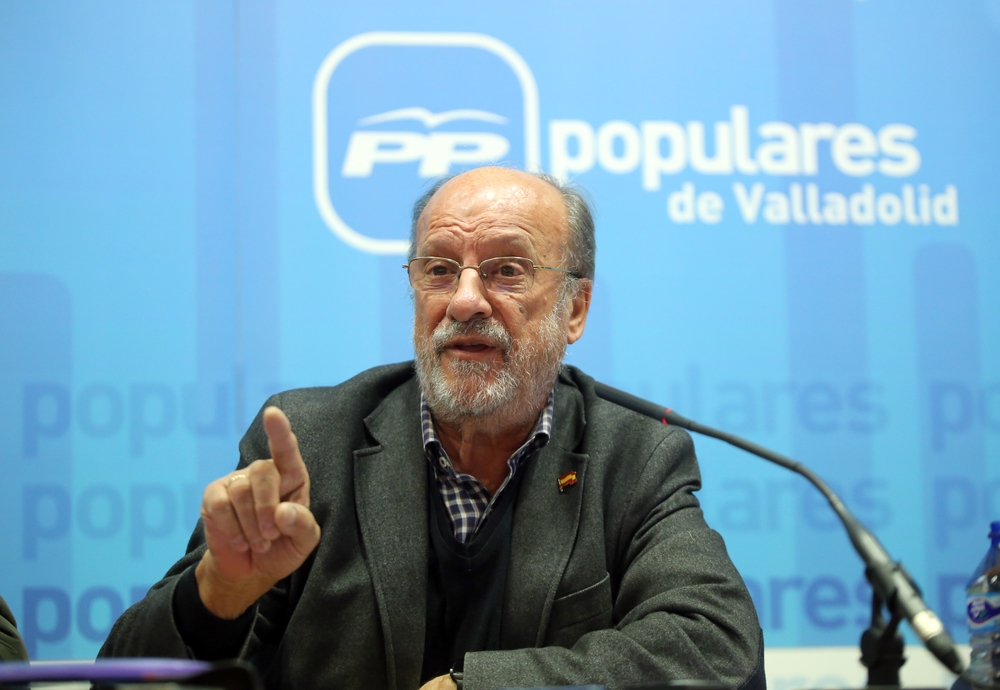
(500, 274)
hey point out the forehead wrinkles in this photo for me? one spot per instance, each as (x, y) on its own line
(495, 204)
(489, 237)
(515, 214)
(463, 224)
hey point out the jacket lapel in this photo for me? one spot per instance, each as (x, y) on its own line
(545, 526)
(390, 488)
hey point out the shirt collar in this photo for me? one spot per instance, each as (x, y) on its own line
(543, 426)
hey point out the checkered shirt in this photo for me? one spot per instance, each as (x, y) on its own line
(467, 500)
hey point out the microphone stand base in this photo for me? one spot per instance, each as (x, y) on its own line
(882, 647)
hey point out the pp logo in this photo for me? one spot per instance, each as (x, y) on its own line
(392, 110)
(436, 152)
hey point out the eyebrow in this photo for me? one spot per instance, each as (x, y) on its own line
(516, 244)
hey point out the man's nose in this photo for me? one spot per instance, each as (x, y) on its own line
(469, 299)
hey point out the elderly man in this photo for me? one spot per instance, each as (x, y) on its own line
(479, 518)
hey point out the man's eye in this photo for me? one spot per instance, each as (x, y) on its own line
(436, 269)
(508, 269)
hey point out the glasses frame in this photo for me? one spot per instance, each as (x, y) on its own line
(482, 273)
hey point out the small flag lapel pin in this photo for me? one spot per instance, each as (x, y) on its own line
(568, 479)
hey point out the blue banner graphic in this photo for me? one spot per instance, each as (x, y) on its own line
(204, 203)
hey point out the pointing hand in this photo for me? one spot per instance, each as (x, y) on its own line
(258, 525)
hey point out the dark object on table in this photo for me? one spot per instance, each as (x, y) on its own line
(11, 645)
(182, 673)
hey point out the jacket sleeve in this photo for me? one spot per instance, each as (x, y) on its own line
(150, 628)
(679, 608)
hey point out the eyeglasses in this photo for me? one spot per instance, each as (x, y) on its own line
(510, 274)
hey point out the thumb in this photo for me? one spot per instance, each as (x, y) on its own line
(298, 523)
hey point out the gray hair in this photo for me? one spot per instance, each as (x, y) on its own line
(581, 253)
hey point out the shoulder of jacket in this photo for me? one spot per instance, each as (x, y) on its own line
(610, 417)
(315, 407)
(376, 382)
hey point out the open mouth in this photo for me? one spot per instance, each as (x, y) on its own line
(476, 340)
(474, 347)
(470, 346)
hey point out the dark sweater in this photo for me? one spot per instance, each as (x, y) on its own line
(465, 584)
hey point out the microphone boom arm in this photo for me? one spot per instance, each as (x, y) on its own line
(889, 579)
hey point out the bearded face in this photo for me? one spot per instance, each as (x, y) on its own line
(504, 389)
(488, 352)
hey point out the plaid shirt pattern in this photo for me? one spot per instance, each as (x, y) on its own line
(466, 499)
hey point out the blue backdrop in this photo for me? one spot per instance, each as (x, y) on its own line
(203, 203)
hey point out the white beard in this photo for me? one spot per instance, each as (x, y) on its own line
(497, 395)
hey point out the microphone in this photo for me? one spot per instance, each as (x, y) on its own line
(889, 579)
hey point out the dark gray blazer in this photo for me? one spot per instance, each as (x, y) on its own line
(616, 580)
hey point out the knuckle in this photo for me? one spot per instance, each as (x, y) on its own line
(214, 490)
(256, 465)
(262, 470)
(242, 503)
(238, 491)
(216, 506)
(214, 500)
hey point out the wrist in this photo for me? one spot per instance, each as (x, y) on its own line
(224, 598)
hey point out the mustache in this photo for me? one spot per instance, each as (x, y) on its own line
(489, 329)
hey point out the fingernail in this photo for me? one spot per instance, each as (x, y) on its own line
(261, 545)
(240, 544)
(270, 530)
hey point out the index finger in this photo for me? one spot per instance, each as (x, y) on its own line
(284, 446)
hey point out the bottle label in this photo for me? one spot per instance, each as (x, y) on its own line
(983, 612)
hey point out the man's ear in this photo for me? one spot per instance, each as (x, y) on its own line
(579, 308)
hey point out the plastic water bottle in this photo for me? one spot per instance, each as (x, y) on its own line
(983, 614)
